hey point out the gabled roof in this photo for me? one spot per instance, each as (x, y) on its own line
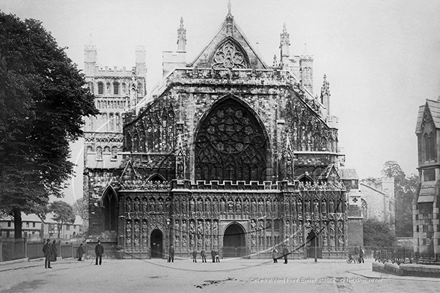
(348, 174)
(372, 188)
(330, 169)
(231, 34)
(434, 110)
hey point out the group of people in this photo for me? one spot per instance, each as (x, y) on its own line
(214, 254)
(275, 256)
(51, 253)
(359, 253)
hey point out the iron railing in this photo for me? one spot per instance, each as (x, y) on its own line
(12, 249)
(401, 255)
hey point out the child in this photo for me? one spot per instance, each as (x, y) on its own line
(274, 255)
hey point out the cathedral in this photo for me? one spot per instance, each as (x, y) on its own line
(227, 154)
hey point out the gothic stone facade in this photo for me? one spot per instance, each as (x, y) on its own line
(426, 204)
(230, 155)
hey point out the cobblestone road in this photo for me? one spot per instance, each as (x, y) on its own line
(231, 275)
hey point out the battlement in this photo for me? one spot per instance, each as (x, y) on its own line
(332, 121)
(307, 58)
(108, 71)
(252, 186)
(89, 47)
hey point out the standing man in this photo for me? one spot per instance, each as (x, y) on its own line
(285, 254)
(99, 250)
(80, 251)
(171, 254)
(202, 253)
(361, 255)
(47, 250)
(195, 255)
(213, 255)
(54, 250)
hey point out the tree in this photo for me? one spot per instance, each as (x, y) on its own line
(377, 234)
(404, 190)
(80, 208)
(63, 214)
(43, 99)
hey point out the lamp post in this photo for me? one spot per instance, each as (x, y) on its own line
(169, 232)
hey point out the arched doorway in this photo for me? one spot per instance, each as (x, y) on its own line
(110, 210)
(312, 243)
(234, 242)
(231, 144)
(156, 243)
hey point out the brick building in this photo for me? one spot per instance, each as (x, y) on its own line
(227, 154)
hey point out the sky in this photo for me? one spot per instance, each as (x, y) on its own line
(380, 57)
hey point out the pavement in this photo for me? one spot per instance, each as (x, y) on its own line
(233, 275)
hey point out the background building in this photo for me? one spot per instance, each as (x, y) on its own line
(378, 202)
(36, 229)
(227, 154)
(426, 215)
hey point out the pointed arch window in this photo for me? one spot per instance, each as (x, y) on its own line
(364, 207)
(116, 88)
(110, 205)
(230, 145)
(100, 88)
(429, 146)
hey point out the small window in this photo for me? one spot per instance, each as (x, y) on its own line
(67, 227)
(9, 223)
(99, 153)
(33, 225)
(116, 88)
(100, 88)
(27, 224)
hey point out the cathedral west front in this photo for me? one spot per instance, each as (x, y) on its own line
(228, 154)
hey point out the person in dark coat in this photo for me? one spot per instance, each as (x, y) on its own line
(213, 255)
(54, 251)
(80, 251)
(195, 256)
(47, 250)
(361, 255)
(202, 253)
(171, 254)
(274, 255)
(99, 251)
(285, 254)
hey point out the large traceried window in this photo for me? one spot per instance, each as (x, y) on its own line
(230, 145)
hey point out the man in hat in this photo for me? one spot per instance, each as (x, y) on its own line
(47, 250)
(99, 251)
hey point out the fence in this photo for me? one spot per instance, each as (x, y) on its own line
(11, 249)
(404, 255)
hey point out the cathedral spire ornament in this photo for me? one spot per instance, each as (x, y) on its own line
(284, 45)
(181, 37)
(229, 21)
(325, 94)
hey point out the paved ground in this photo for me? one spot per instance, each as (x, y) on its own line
(231, 275)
